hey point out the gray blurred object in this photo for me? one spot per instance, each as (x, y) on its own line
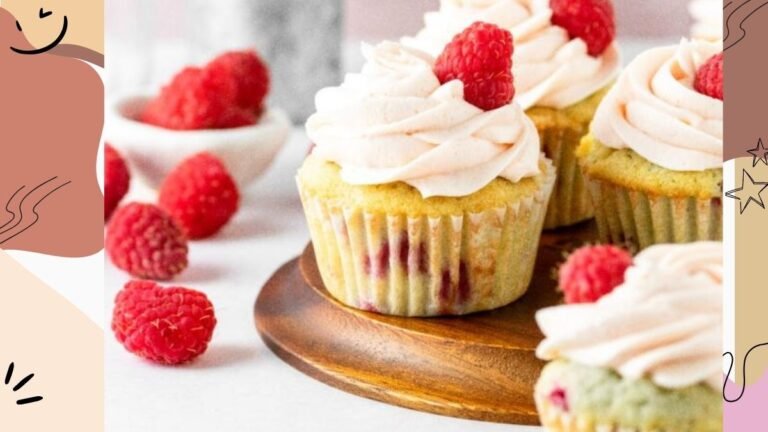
(301, 40)
(148, 41)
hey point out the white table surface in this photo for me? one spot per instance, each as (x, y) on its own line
(239, 384)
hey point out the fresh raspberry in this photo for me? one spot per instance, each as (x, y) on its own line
(116, 180)
(238, 117)
(481, 57)
(592, 272)
(164, 325)
(200, 194)
(249, 73)
(709, 77)
(196, 99)
(593, 21)
(146, 242)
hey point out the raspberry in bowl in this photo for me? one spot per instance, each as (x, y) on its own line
(218, 108)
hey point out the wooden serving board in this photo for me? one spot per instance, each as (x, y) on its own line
(480, 366)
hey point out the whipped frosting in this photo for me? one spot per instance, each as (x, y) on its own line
(550, 69)
(664, 322)
(394, 121)
(708, 19)
(654, 110)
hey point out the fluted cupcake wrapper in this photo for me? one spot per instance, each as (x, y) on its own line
(554, 419)
(426, 266)
(570, 203)
(640, 219)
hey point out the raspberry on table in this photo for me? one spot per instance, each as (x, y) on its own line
(481, 57)
(592, 21)
(591, 272)
(117, 179)
(201, 195)
(169, 326)
(709, 77)
(248, 72)
(146, 242)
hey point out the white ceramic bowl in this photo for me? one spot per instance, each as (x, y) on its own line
(153, 152)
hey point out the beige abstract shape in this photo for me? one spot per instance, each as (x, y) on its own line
(51, 119)
(746, 92)
(751, 296)
(85, 25)
(41, 333)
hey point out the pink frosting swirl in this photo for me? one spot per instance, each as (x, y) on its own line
(655, 111)
(394, 121)
(550, 68)
(664, 322)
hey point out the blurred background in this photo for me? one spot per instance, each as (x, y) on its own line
(308, 43)
(387, 19)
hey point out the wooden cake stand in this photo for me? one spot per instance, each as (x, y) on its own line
(480, 366)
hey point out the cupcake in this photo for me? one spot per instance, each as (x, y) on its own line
(420, 203)
(561, 74)
(653, 160)
(708, 19)
(644, 357)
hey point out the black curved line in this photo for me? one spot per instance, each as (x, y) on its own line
(48, 47)
(23, 382)
(726, 29)
(29, 400)
(743, 372)
(13, 215)
(34, 211)
(21, 204)
(9, 374)
(741, 23)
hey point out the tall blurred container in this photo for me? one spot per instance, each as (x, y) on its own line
(148, 41)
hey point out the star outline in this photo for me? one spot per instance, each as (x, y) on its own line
(743, 205)
(759, 153)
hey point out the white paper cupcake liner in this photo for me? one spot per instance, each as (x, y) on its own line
(627, 216)
(570, 203)
(426, 266)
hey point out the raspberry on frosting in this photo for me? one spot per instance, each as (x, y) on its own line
(201, 195)
(592, 21)
(146, 242)
(709, 77)
(592, 272)
(164, 325)
(481, 57)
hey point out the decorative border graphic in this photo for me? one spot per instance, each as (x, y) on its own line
(19, 385)
(750, 191)
(740, 14)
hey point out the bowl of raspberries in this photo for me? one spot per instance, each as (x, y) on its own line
(218, 108)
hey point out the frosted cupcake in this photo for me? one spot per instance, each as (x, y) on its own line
(646, 356)
(562, 71)
(419, 203)
(653, 161)
(708, 19)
